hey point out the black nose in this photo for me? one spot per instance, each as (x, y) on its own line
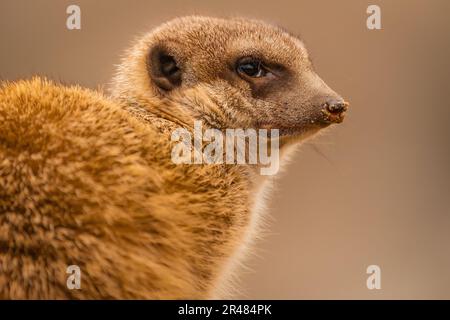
(336, 106)
(334, 110)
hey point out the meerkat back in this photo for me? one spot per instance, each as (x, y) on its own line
(62, 186)
(84, 183)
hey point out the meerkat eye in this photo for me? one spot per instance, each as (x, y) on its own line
(251, 67)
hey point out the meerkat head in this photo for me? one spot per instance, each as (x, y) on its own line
(254, 75)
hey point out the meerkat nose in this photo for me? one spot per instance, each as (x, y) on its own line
(336, 106)
(334, 110)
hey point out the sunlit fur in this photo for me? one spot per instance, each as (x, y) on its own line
(87, 179)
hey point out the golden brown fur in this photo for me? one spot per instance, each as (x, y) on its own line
(88, 180)
(84, 183)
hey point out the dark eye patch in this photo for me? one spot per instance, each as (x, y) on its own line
(250, 67)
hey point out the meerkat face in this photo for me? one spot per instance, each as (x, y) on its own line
(259, 75)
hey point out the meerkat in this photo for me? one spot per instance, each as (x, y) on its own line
(87, 179)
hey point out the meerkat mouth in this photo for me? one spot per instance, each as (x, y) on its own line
(330, 113)
(302, 130)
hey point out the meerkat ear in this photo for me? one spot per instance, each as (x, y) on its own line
(163, 69)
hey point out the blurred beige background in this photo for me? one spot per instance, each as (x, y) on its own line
(374, 190)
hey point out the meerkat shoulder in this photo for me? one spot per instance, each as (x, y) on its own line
(86, 181)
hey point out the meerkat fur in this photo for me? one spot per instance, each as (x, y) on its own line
(87, 178)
